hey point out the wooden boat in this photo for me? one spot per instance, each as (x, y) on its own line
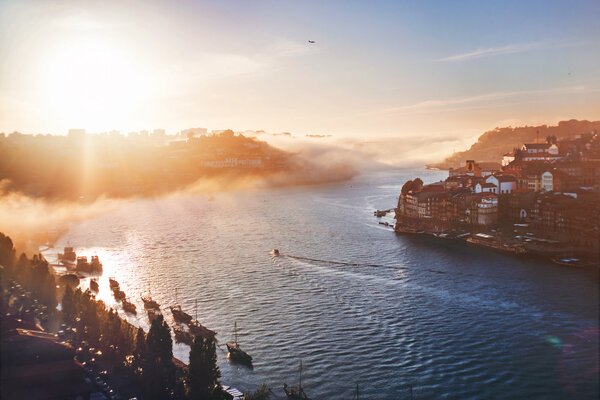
(296, 392)
(113, 283)
(196, 328)
(182, 336)
(129, 307)
(94, 287)
(178, 314)
(235, 352)
(68, 258)
(149, 303)
(153, 314)
(119, 294)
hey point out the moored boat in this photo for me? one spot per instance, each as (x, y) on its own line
(179, 315)
(196, 328)
(149, 303)
(153, 313)
(113, 283)
(94, 287)
(129, 307)
(182, 336)
(118, 294)
(235, 352)
(68, 258)
(296, 392)
(95, 264)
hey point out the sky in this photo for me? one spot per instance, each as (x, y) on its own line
(439, 69)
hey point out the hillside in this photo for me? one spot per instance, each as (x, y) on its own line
(493, 144)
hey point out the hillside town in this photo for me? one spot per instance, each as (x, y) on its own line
(542, 198)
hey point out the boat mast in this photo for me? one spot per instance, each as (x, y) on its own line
(300, 383)
(356, 390)
(196, 309)
(235, 335)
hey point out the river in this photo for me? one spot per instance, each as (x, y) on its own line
(449, 321)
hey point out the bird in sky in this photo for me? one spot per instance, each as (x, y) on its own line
(311, 41)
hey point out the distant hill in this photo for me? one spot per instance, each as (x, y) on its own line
(492, 145)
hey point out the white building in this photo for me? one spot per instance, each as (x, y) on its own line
(503, 183)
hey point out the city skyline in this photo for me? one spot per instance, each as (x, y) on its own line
(383, 70)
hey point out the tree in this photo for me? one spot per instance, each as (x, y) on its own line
(7, 252)
(407, 187)
(159, 370)
(68, 305)
(204, 373)
(140, 344)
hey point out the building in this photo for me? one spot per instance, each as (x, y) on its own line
(501, 183)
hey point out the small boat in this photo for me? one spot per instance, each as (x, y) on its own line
(196, 328)
(94, 287)
(95, 264)
(149, 303)
(129, 307)
(275, 252)
(235, 352)
(571, 262)
(83, 264)
(182, 336)
(178, 314)
(113, 283)
(296, 392)
(119, 294)
(68, 258)
(153, 313)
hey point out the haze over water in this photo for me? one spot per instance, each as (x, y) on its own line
(453, 321)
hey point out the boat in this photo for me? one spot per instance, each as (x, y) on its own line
(153, 313)
(182, 336)
(275, 252)
(68, 257)
(119, 294)
(235, 352)
(82, 264)
(296, 392)
(94, 287)
(129, 307)
(178, 314)
(196, 328)
(572, 262)
(113, 283)
(150, 304)
(95, 264)
(489, 241)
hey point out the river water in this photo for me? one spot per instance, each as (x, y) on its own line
(450, 321)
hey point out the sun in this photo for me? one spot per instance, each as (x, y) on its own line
(92, 83)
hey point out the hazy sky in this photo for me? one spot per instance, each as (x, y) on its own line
(378, 68)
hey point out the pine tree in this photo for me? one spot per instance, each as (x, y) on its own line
(68, 305)
(204, 373)
(159, 370)
(140, 345)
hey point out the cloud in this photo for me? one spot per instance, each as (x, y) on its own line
(508, 49)
(471, 102)
(494, 51)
